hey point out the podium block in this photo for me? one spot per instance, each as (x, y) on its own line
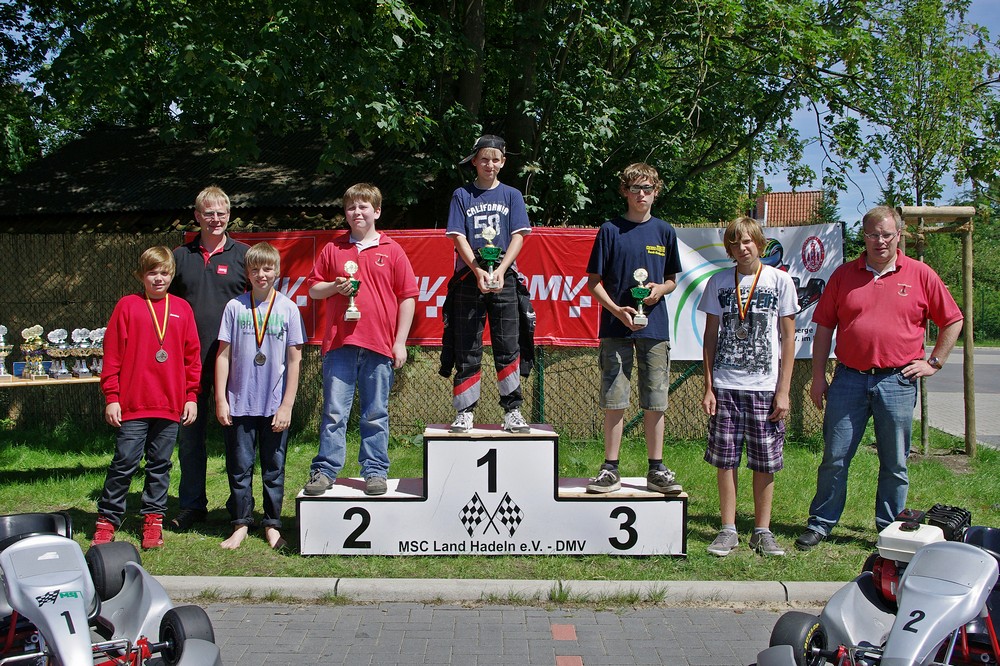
(490, 492)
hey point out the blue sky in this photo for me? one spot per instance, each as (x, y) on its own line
(864, 188)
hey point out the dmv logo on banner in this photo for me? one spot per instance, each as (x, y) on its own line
(553, 265)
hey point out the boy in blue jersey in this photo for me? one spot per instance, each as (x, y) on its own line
(486, 213)
(635, 250)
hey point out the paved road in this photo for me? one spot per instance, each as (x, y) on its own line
(471, 635)
(946, 403)
(414, 633)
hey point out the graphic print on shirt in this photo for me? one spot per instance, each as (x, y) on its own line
(753, 355)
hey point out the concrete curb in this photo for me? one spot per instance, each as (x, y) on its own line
(699, 593)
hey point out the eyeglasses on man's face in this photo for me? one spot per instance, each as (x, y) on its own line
(215, 214)
(645, 189)
(885, 236)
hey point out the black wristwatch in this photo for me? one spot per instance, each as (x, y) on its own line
(934, 362)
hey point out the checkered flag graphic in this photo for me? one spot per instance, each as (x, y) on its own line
(510, 514)
(47, 598)
(473, 514)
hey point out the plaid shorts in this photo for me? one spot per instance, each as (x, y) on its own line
(742, 416)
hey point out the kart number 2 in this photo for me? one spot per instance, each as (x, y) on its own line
(917, 616)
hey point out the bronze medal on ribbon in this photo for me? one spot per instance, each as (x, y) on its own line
(161, 331)
(743, 328)
(260, 327)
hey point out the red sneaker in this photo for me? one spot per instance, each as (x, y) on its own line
(152, 530)
(104, 531)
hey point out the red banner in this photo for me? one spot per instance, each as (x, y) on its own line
(552, 263)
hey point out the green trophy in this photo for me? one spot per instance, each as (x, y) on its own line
(639, 293)
(490, 253)
(353, 313)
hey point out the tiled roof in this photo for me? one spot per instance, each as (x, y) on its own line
(787, 209)
(127, 170)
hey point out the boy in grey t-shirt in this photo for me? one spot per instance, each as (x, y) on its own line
(256, 379)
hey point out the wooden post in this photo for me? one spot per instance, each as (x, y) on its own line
(968, 368)
(925, 425)
(962, 215)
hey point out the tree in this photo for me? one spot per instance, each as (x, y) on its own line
(579, 88)
(923, 95)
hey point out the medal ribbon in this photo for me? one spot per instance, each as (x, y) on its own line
(260, 328)
(161, 332)
(742, 308)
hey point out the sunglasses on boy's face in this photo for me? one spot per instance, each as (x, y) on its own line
(645, 189)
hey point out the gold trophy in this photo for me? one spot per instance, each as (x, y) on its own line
(353, 313)
(80, 351)
(33, 349)
(490, 253)
(97, 350)
(5, 350)
(639, 293)
(58, 350)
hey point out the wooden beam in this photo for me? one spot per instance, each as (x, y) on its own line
(937, 213)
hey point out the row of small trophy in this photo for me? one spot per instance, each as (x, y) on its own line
(86, 344)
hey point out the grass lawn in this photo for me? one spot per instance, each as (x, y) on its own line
(64, 469)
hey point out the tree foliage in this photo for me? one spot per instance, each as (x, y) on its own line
(928, 100)
(705, 91)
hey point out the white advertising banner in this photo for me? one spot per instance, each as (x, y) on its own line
(810, 254)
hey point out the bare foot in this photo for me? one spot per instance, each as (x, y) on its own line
(273, 537)
(233, 542)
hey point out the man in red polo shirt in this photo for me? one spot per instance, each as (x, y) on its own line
(879, 305)
(211, 270)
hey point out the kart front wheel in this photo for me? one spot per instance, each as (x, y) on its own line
(180, 624)
(804, 633)
(106, 562)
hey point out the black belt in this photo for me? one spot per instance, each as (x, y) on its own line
(873, 371)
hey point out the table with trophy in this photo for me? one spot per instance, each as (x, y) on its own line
(74, 357)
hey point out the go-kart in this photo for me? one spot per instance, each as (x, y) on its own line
(928, 597)
(59, 607)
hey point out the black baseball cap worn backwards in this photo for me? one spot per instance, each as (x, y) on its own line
(486, 141)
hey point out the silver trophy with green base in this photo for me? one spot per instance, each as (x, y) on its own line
(353, 313)
(640, 293)
(490, 253)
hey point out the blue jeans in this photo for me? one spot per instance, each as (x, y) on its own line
(154, 438)
(192, 453)
(242, 440)
(852, 399)
(343, 369)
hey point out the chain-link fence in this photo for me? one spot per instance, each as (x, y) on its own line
(74, 280)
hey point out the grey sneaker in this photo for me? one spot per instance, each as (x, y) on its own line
(318, 483)
(765, 544)
(662, 481)
(462, 422)
(514, 422)
(375, 485)
(724, 543)
(607, 481)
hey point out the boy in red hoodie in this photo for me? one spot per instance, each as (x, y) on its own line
(151, 379)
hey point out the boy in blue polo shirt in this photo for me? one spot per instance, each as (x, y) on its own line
(486, 215)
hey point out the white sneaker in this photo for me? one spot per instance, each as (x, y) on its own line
(462, 422)
(514, 422)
